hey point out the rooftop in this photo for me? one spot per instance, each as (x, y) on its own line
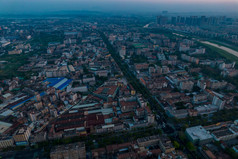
(198, 133)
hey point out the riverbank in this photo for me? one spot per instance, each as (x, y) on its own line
(228, 50)
(231, 46)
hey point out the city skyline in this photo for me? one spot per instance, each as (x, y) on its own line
(27, 6)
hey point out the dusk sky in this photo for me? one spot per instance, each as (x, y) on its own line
(41, 6)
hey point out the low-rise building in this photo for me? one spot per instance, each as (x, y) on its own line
(198, 135)
(224, 134)
(166, 145)
(70, 151)
(182, 113)
(186, 85)
(6, 142)
(4, 126)
(199, 98)
(21, 136)
(148, 141)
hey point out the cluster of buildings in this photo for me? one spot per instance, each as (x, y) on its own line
(77, 90)
(151, 146)
(172, 71)
(194, 20)
(75, 150)
(16, 41)
(227, 69)
(224, 133)
(114, 106)
(201, 25)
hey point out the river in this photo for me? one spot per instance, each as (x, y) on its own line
(233, 52)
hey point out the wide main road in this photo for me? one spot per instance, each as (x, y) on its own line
(140, 88)
(134, 81)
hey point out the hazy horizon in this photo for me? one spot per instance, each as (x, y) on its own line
(153, 6)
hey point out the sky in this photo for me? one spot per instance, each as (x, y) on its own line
(44, 6)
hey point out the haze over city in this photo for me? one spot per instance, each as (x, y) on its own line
(44, 6)
(119, 79)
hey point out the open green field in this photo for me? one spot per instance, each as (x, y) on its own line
(10, 69)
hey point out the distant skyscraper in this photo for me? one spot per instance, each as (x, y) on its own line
(162, 20)
(182, 20)
(165, 12)
(173, 20)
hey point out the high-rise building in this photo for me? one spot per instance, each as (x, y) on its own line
(162, 20)
(165, 12)
(218, 102)
(173, 20)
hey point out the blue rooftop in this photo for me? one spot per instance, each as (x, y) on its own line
(20, 102)
(61, 87)
(59, 83)
(53, 81)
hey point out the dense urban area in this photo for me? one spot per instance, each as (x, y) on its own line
(83, 86)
